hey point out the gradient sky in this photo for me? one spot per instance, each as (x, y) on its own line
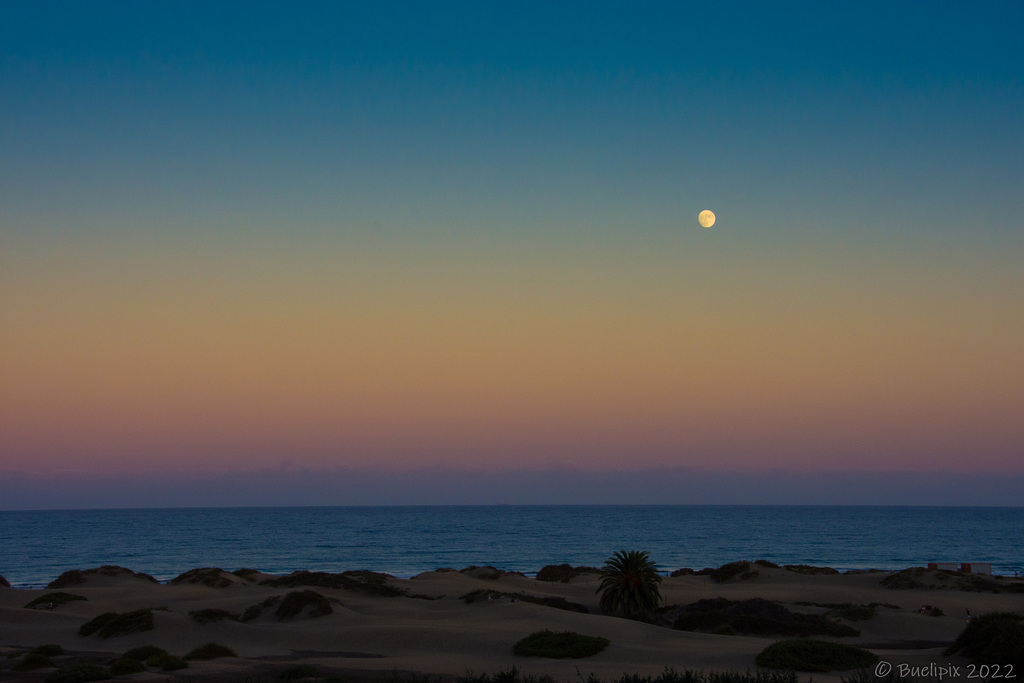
(394, 237)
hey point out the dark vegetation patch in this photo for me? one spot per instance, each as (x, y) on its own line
(487, 572)
(143, 652)
(207, 576)
(76, 577)
(49, 650)
(557, 602)
(78, 673)
(246, 573)
(4, 583)
(371, 583)
(564, 573)
(683, 571)
(111, 624)
(804, 654)
(922, 577)
(766, 564)
(126, 666)
(210, 651)
(669, 675)
(756, 616)
(166, 662)
(742, 570)
(211, 615)
(54, 599)
(848, 610)
(809, 569)
(33, 661)
(296, 602)
(931, 611)
(254, 611)
(994, 638)
(567, 644)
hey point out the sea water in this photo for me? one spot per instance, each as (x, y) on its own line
(37, 546)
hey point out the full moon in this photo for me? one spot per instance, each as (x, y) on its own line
(706, 218)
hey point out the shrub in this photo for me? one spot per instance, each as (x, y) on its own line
(743, 569)
(33, 661)
(755, 616)
(294, 603)
(994, 638)
(126, 666)
(4, 583)
(246, 573)
(75, 577)
(629, 583)
(56, 599)
(563, 572)
(111, 624)
(143, 652)
(804, 654)
(559, 645)
(50, 650)
(166, 662)
(79, 673)
(210, 615)
(210, 651)
(298, 672)
(207, 576)
(851, 612)
(808, 569)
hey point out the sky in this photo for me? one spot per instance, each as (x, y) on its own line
(386, 253)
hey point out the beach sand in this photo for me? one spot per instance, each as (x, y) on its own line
(431, 630)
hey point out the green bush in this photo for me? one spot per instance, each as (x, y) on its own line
(210, 651)
(79, 673)
(111, 624)
(56, 599)
(804, 654)
(33, 661)
(144, 652)
(994, 638)
(126, 666)
(559, 645)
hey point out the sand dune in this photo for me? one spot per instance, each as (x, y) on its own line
(425, 626)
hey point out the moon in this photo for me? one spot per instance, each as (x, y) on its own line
(706, 218)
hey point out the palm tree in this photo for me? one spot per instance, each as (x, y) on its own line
(629, 583)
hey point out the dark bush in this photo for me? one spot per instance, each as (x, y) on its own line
(756, 616)
(125, 666)
(207, 576)
(851, 612)
(247, 574)
(75, 577)
(210, 651)
(808, 569)
(994, 638)
(564, 573)
(559, 645)
(742, 569)
(166, 662)
(4, 583)
(766, 564)
(56, 599)
(253, 611)
(803, 654)
(294, 603)
(143, 652)
(33, 661)
(371, 583)
(79, 673)
(211, 615)
(50, 650)
(111, 624)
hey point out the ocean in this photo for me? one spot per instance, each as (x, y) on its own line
(37, 546)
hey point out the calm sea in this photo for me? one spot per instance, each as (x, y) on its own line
(36, 546)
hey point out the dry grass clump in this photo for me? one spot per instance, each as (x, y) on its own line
(804, 654)
(559, 645)
(210, 651)
(809, 569)
(743, 570)
(756, 616)
(371, 583)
